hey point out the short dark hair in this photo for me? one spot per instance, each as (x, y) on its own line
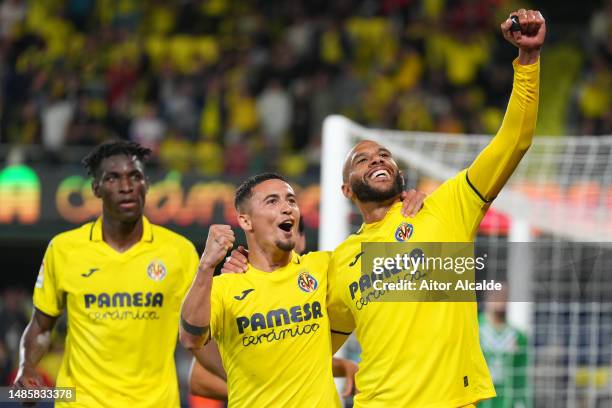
(245, 190)
(93, 160)
(301, 225)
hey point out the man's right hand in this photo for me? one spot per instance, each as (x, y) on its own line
(220, 240)
(27, 378)
(237, 262)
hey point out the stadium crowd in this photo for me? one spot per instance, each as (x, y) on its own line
(237, 87)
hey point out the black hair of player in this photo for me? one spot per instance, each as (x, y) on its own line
(301, 226)
(245, 190)
(108, 149)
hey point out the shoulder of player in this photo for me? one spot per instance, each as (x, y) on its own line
(315, 257)
(164, 235)
(167, 234)
(223, 283)
(443, 190)
(347, 245)
(76, 236)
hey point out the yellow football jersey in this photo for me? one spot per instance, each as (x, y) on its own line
(414, 354)
(273, 334)
(123, 314)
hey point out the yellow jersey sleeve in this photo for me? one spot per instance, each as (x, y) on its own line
(459, 207)
(48, 297)
(341, 319)
(496, 163)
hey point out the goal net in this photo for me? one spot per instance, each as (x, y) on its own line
(548, 235)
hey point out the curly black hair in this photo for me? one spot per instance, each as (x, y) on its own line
(94, 158)
(245, 190)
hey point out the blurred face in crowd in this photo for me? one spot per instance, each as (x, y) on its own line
(496, 303)
(370, 174)
(122, 186)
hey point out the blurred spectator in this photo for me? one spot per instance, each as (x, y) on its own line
(179, 104)
(26, 130)
(302, 116)
(208, 157)
(276, 113)
(14, 316)
(505, 349)
(79, 71)
(212, 116)
(237, 157)
(594, 99)
(322, 101)
(600, 26)
(11, 13)
(243, 115)
(300, 35)
(120, 79)
(56, 116)
(175, 152)
(333, 43)
(147, 128)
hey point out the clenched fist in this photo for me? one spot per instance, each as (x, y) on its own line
(530, 38)
(220, 240)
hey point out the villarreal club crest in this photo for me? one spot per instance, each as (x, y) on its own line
(156, 270)
(306, 282)
(404, 232)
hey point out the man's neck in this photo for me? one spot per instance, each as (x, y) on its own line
(375, 211)
(267, 260)
(121, 236)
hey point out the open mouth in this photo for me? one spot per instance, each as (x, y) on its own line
(286, 226)
(380, 174)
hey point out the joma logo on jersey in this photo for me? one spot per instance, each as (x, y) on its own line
(404, 232)
(280, 317)
(123, 299)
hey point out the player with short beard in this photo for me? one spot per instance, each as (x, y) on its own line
(367, 193)
(427, 354)
(212, 383)
(270, 323)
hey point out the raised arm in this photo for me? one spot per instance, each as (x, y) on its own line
(496, 163)
(194, 329)
(33, 346)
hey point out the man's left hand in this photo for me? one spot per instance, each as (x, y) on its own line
(531, 36)
(412, 202)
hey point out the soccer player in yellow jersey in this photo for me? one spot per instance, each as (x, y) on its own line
(205, 383)
(427, 355)
(121, 281)
(270, 323)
